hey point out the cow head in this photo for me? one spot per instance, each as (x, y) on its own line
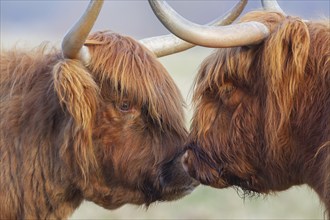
(129, 128)
(251, 97)
(240, 129)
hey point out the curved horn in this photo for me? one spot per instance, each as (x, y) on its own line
(72, 44)
(170, 44)
(241, 34)
(271, 5)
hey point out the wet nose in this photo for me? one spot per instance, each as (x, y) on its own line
(184, 161)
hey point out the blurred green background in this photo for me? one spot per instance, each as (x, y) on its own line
(28, 23)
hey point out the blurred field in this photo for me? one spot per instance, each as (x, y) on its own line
(205, 202)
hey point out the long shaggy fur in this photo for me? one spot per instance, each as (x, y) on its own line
(262, 117)
(65, 136)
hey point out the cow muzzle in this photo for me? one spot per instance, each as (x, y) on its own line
(200, 166)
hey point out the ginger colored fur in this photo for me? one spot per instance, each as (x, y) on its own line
(262, 113)
(110, 132)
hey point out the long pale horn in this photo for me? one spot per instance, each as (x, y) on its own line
(247, 33)
(170, 44)
(272, 5)
(73, 42)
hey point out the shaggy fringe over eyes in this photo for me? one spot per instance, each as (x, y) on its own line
(232, 64)
(78, 93)
(129, 70)
(280, 60)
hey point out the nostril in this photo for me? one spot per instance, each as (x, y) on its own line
(184, 161)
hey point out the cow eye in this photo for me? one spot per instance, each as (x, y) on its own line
(227, 90)
(125, 106)
(230, 95)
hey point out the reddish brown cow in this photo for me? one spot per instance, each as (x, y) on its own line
(100, 120)
(262, 105)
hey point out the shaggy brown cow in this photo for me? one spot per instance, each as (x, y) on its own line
(101, 122)
(262, 108)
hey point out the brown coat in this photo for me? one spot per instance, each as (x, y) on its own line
(111, 132)
(262, 113)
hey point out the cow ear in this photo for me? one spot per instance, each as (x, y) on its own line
(284, 61)
(76, 90)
